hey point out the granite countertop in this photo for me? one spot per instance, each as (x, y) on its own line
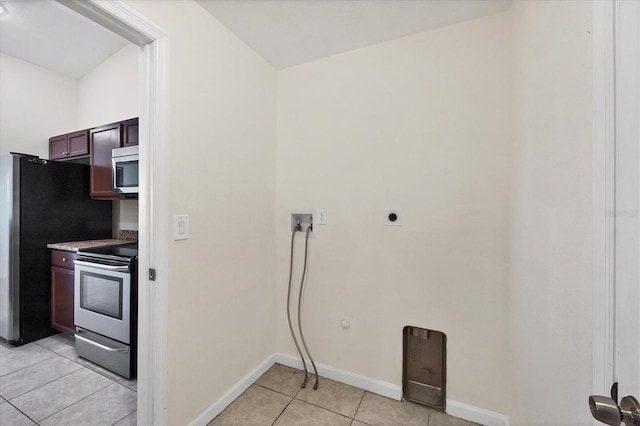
(77, 245)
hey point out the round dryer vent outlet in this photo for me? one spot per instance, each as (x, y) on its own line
(392, 217)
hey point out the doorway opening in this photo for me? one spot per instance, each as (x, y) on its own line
(153, 199)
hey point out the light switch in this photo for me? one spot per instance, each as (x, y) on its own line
(180, 227)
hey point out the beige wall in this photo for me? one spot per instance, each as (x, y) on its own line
(222, 172)
(35, 104)
(479, 132)
(110, 92)
(421, 124)
(551, 213)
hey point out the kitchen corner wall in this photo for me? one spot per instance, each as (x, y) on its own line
(421, 124)
(109, 93)
(551, 215)
(35, 104)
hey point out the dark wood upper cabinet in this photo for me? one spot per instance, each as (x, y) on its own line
(130, 132)
(69, 146)
(78, 143)
(58, 147)
(94, 146)
(101, 141)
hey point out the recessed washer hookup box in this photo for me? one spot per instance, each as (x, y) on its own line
(424, 369)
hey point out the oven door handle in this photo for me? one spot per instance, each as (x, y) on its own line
(118, 268)
(101, 346)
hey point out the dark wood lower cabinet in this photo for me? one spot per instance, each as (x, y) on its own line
(62, 275)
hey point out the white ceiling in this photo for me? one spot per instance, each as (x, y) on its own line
(291, 32)
(48, 34)
(284, 32)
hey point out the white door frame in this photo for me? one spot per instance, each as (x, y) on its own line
(615, 43)
(604, 196)
(153, 197)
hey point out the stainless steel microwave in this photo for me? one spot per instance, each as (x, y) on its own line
(125, 170)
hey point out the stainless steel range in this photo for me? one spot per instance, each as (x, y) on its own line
(105, 307)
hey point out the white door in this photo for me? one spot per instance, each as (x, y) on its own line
(627, 198)
(622, 185)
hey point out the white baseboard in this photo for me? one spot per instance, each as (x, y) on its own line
(475, 414)
(347, 377)
(237, 390)
(457, 409)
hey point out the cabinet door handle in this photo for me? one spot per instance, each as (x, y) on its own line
(64, 259)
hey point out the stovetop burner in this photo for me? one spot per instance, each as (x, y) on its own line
(124, 251)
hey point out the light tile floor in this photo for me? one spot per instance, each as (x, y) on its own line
(45, 383)
(277, 399)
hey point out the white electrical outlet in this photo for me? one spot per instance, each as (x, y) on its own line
(321, 215)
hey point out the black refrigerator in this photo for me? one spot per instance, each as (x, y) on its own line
(41, 202)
